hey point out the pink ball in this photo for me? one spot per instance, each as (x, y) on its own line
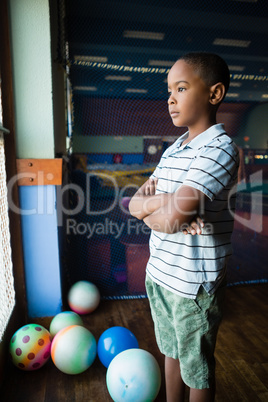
(125, 202)
(30, 347)
(73, 349)
(83, 297)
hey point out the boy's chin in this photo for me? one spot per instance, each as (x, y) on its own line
(178, 124)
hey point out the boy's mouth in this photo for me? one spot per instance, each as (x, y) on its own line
(173, 113)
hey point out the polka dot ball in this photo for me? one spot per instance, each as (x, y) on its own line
(30, 347)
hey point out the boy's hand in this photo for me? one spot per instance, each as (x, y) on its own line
(145, 201)
(150, 188)
(194, 227)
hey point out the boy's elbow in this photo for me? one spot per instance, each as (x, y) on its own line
(130, 207)
(133, 212)
(137, 214)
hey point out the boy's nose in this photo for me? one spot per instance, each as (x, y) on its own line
(171, 100)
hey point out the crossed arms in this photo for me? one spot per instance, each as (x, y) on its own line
(168, 212)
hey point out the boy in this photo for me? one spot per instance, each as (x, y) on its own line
(185, 275)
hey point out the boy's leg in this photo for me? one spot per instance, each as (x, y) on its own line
(175, 387)
(187, 328)
(202, 395)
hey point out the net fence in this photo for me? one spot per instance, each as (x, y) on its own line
(7, 293)
(118, 130)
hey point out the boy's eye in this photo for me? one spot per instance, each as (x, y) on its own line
(180, 89)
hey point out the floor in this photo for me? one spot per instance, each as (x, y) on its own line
(241, 353)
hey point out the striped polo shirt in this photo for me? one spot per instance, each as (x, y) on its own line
(209, 163)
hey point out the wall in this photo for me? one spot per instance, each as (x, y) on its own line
(30, 38)
(33, 93)
(255, 127)
(107, 144)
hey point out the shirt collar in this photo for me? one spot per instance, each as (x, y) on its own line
(203, 138)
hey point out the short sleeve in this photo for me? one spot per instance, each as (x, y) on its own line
(156, 172)
(214, 168)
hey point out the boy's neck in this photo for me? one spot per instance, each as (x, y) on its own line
(195, 131)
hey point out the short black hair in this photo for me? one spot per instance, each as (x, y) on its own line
(210, 67)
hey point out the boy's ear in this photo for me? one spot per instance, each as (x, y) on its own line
(217, 93)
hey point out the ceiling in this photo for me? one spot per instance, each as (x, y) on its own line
(106, 61)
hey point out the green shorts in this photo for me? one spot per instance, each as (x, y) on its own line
(186, 329)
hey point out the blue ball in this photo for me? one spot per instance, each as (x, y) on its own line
(114, 341)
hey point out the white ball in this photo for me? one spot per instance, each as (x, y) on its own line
(63, 320)
(133, 375)
(83, 297)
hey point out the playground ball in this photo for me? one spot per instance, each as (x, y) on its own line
(83, 297)
(73, 349)
(114, 341)
(30, 347)
(133, 375)
(125, 202)
(63, 320)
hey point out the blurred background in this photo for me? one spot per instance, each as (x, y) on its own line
(117, 55)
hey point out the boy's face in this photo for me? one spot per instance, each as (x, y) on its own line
(189, 96)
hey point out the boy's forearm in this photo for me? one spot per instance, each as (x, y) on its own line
(180, 209)
(160, 222)
(142, 205)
